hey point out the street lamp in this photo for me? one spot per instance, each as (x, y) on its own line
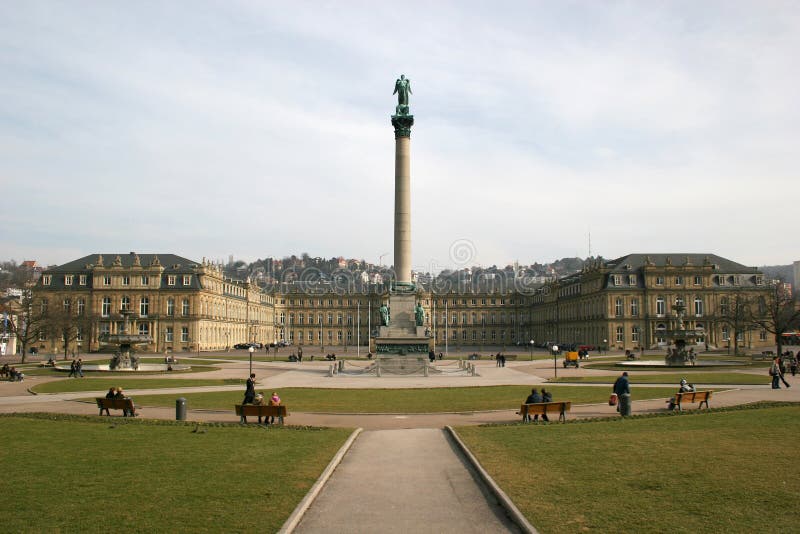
(530, 344)
(555, 353)
(251, 350)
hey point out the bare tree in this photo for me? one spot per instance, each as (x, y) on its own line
(777, 313)
(66, 324)
(735, 311)
(26, 318)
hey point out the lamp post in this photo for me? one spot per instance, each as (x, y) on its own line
(251, 350)
(555, 367)
(605, 345)
(530, 344)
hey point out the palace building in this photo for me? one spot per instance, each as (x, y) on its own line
(627, 303)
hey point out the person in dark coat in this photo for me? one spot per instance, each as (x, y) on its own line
(533, 398)
(250, 390)
(622, 387)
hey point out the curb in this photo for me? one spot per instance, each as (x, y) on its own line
(503, 499)
(298, 513)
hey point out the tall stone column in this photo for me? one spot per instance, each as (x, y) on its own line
(402, 200)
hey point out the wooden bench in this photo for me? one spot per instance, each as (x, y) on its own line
(545, 408)
(126, 405)
(510, 356)
(693, 396)
(261, 410)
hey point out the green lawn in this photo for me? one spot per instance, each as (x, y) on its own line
(140, 476)
(719, 471)
(430, 400)
(695, 377)
(99, 384)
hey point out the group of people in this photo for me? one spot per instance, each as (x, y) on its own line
(12, 373)
(117, 393)
(778, 369)
(257, 399)
(501, 360)
(76, 368)
(534, 398)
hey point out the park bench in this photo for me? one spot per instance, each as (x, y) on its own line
(692, 396)
(545, 408)
(510, 356)
(126, 405)
(261, 410)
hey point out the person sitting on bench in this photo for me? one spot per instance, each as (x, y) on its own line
(125, 411)
(685, 387)
(533, 398)
(112, 394)
(274, 400)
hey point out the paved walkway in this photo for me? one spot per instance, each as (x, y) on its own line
(400, 481)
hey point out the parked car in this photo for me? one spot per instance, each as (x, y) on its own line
(242, 346)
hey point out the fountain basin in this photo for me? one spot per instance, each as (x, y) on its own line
(698, 363)
(143, 367)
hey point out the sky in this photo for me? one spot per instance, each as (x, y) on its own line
(542, 129)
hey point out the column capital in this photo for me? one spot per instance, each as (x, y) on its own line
(402, 125)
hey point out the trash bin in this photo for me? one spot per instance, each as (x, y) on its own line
(180, 409)
(625, 404)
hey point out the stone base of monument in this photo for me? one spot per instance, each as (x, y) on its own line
(402, 336)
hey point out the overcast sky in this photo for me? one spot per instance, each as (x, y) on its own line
(259, 129)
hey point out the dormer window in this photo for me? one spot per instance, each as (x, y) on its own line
(170, 279)
(46, 279)
(631, 279)
(82, 279)
(68, 279)
(187, 278)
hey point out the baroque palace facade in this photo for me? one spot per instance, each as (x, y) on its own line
(626, 303)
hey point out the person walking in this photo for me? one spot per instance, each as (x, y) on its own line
(72, 368)
(775, 373)
(79, 368)
(250, 390)
(782, 372)
(622, 388)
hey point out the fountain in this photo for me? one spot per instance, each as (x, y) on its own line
(125, 358)
(677, 353)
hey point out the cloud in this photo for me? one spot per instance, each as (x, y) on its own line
(207, 129)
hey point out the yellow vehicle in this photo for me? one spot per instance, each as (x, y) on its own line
(571, 359)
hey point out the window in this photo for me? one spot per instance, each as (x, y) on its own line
(616, 280)
(170, 279)
(125, 304)
(168, 335)
(698, 280)
(310, 335)
(631, 279)
(635, 334)
(301, 318)
(723, 306)
(339, 319)
(106, 279)
(678, 280)
(126, 280)
(339, 335)
(184, 334)
(67, 305)
(659, 280)
(185, 307)
(105, 329)
(105, 309)
(679, 301)
(330, 319)
(82, 279)
(170, 307)
(635, 307)
(762, 335)
(698, 307)
(144, 329)
(660, 306)
(81, 306)
(68, 279)
(46, 279)
(78, 334)
(725, 335)
(187, 279)
(620, 334)
(145, 280)
(291, 318)
(618, 307)
(144, 306)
